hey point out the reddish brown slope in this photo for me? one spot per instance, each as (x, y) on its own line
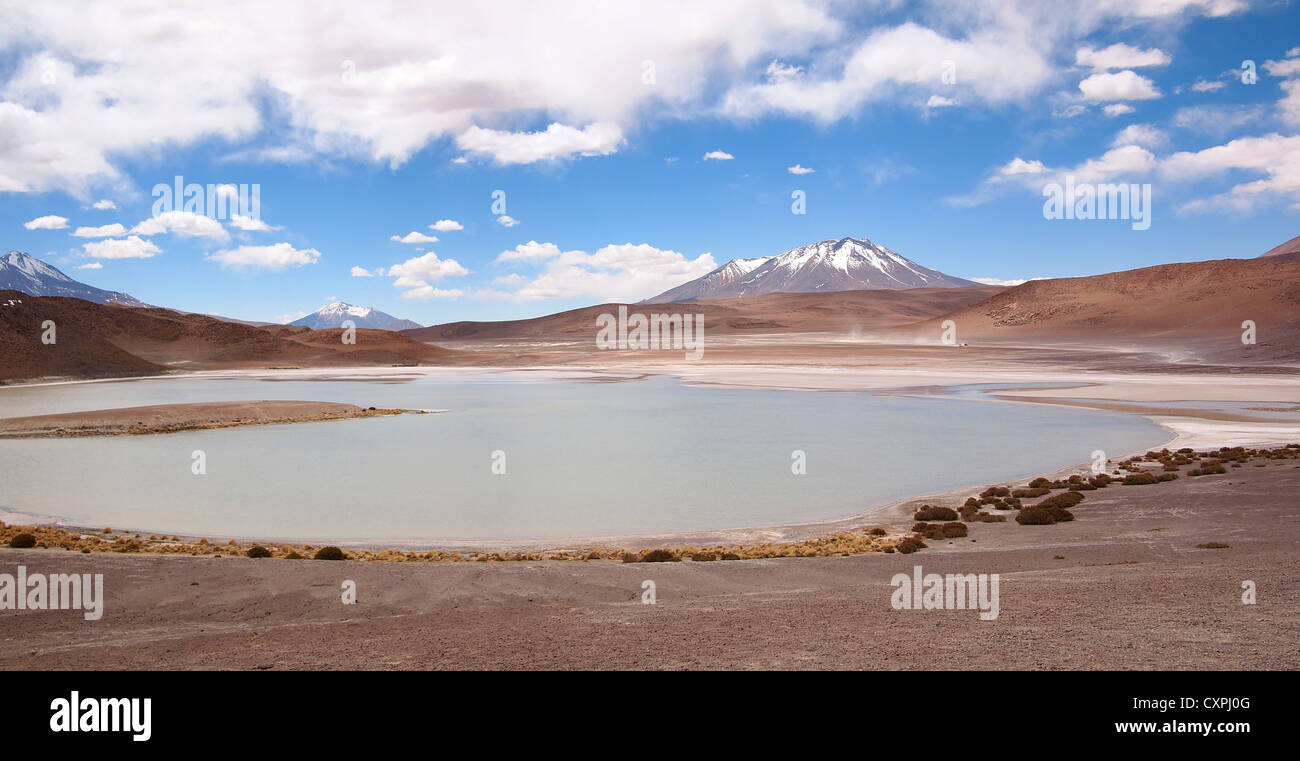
(1194, 304)
(95, 341)
(842, 311)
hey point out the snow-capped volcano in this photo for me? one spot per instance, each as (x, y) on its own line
(24, 272)
(333, 316)
(847, 264)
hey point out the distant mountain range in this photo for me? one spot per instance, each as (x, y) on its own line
(335, 314)
(24, 272)
(847, 264)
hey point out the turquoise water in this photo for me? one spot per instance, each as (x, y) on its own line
(581, 458)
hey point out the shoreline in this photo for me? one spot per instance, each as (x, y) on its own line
(189, 416)
(1185, 430)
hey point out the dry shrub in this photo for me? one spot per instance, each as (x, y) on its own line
(23, 541)
(1140, 479)
(1212, 546)
(659, 556)
(935, 513)
(1034, 516)
(1064, 499)
(330, 553)
(909, 545)
(258, 551)
(996, 491)
(1035, 491)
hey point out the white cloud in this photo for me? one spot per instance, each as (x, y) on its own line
(133, 247)
(361, 272)
(48, 222)
(446, 225)
(1208, 86)
(1217, 120)
(718, 156)
(248, 224)
(103, 231)
(1120, 56)
(185, 223)
(779, 72)
(558, 141)
(938, 101)
(1274, 158)
(274, 257)
(796, 169)
(414, 273)
(413, 237)
(83, 89)
(1018, 166)
(998, 281)
(530, 251)
(505, 220)
(1118, 109)
(626, 272)
(1286, 68)
(91, 266)
(1145, 135)
(285, 319)
(104, 205)
(1121, 85)
(429, 292)
(1071, 111)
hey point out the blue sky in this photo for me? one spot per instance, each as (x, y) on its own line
(931, 129)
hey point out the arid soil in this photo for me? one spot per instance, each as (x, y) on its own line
(1124, 585)
(167, 418)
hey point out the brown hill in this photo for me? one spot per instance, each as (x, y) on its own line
(1187, 305)
(841, 311)
(97, 341)
(1290, 247)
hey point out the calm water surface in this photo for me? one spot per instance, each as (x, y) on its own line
(581, 458)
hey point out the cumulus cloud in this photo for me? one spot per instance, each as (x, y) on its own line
(48, 222)
(1118, 109)
(103, 231)
(1122, 85)
(274, 257)
(446, 225)
(1217, 120)
(1274, 159)
(718, 156)
(557, 141)
(1120, 56)
(361, 272)
(505, 220)
(248, 224)
(1146, 135)
(185, 223)
(91, 266)
(104, 205)
(131, 247)
(1203, 85)
(414, 274)
(1018, 166)
(413, 237)
(939, 101)
(626, 272)
(796, 169)
(75, 103)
